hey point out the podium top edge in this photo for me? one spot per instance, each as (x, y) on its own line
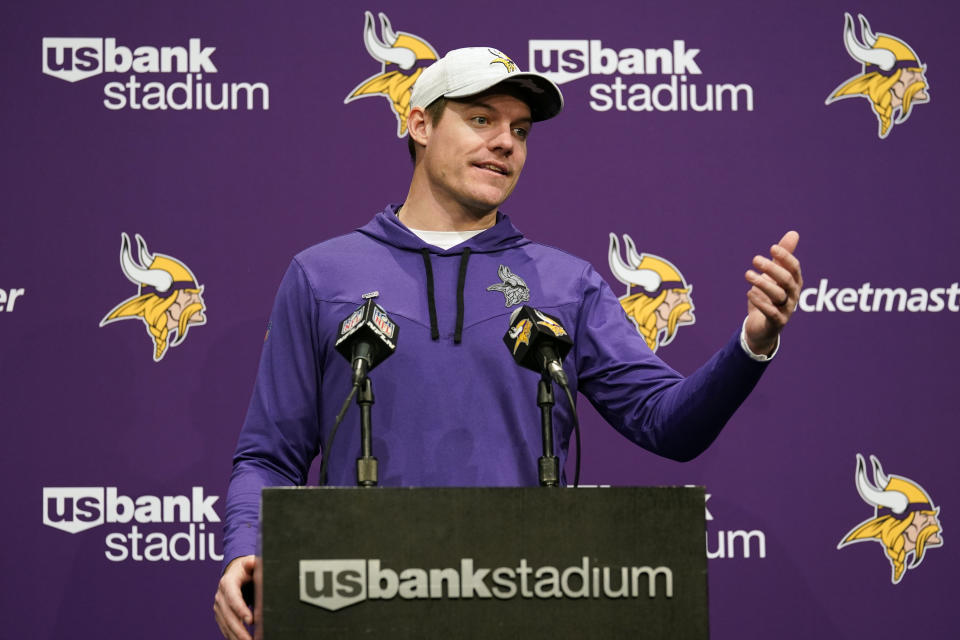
(695, 488)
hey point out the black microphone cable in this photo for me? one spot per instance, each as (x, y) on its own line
(576, 433)
(325, 459)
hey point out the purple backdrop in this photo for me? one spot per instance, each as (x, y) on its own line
(233, 194)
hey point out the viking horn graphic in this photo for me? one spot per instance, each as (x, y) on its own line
(137, 273)
(629, 275)
(883, 58)
(385, 51)
(872, 494)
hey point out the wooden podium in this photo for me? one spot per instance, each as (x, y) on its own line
(483, 563)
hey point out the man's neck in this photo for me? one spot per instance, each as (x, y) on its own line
(423, 210)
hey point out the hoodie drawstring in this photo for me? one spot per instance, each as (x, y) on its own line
(431, 300)
(461, 279)
(434, 331)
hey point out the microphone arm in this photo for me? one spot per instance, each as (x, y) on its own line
(548, 466)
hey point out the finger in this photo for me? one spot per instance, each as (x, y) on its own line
(789, 241)
(762, 302)
(787, 260)
(230, 625)
(780, 276)
(229, 595)
(220, 624)
(776, 294)
(234, 600)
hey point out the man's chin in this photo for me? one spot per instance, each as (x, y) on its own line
(488, 201)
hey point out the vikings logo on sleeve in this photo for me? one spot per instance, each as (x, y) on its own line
(891, 78)
(169, 300)
(904, 521)
(403, 57)
(662, 303)
(512, 286)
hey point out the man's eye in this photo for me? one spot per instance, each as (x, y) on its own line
(521, 133)
(480, 119)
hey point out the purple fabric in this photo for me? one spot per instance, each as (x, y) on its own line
(449, 414)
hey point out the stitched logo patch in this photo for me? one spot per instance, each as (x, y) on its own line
(512, 286)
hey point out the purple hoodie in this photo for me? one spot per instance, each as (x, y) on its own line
(451, 407)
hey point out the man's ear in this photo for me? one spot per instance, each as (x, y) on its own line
(417, 126)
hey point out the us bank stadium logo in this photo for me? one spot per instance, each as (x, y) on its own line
(402, 57)
(147, 528)
(637, 77)
(335, 584)
(151, 82)
(891, 77)
(661, 303)
(168, 301)
(905, 521)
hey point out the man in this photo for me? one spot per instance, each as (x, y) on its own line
(452, 409)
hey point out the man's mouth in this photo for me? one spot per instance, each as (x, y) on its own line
(492, 166)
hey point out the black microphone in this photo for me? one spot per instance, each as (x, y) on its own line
(538, 342)
(367, 338)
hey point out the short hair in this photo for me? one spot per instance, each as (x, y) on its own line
(434, 111)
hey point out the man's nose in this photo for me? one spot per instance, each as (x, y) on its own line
(503, 141)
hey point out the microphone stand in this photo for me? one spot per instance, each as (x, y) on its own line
(366, 463)
(549, 465)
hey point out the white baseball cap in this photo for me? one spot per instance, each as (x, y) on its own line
(472, 70)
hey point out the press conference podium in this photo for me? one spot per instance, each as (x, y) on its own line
(518, 563)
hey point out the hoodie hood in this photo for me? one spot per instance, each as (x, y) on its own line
(386, 227)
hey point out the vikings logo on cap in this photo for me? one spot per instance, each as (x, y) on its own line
(892, 77)
(168, 300)
(661, 304)
(502, 58)
(403, 57)
(904, 521)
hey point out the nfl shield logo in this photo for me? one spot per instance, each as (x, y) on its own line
(383, 322)
(352, 321)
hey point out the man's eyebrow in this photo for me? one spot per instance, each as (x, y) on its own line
(489, 107)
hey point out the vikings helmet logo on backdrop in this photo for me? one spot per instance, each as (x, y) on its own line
(168, 300)
(891, 78)
(904, 521)
(403, 57)
(662, 303)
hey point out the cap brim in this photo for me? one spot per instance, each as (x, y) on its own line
(539, 92)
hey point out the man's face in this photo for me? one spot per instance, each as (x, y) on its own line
(475, 153)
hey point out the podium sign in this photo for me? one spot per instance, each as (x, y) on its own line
(483, 563)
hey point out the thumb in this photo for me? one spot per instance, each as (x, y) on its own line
(789, 241)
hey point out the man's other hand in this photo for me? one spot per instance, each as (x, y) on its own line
(231, 612)
(772, 299)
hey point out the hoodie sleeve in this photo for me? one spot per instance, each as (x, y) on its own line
(280, 436)
(640, 395)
